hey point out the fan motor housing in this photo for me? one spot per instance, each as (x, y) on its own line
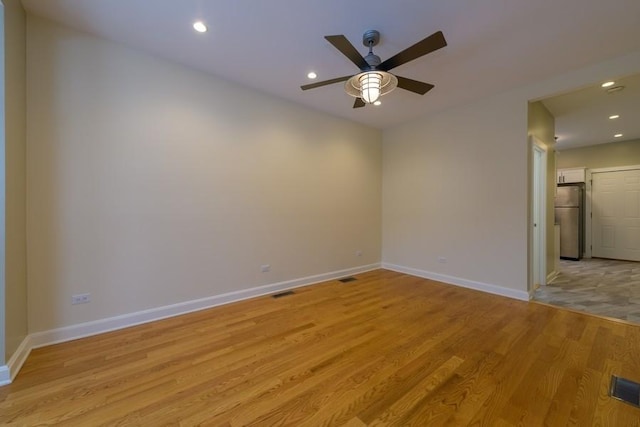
(371, 38)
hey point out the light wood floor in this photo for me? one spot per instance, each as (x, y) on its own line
(387, 349)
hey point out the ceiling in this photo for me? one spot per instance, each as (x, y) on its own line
(582, 116)
(493, 45)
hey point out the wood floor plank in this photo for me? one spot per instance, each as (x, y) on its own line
(385, 349)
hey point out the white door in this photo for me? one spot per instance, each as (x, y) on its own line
(616, 214)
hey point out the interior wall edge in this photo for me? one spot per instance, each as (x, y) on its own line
(5, 377)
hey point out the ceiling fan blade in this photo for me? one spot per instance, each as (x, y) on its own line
(324, 83)
(414, 85)
(341, 43)
(358, 103)
(434, 42)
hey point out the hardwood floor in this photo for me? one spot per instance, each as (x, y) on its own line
(387, 349)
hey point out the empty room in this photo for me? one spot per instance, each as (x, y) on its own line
(302, 213)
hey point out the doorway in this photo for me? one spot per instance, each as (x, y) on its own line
(538, 214)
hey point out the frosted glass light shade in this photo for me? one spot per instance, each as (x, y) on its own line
(370, 84)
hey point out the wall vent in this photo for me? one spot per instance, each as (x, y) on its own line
(347, 279)
(282, 294)
(625, 390)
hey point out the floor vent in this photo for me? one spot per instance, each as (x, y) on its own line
(347, 279)
(283, 294)
(626, 390)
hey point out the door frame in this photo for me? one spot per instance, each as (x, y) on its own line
(588, 236)
(539, 211)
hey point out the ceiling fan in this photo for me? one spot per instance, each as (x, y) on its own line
(374, 80)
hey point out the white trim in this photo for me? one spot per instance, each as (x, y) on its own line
(81, 330)
(5, 376)
(541, 205)
(614, 169)
(457, 281)
(19, 357)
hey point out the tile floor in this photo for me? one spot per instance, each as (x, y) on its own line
(600, 286)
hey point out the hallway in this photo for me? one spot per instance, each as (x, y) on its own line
(599, 286)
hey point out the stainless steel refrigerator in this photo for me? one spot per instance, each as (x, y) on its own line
(569, 213)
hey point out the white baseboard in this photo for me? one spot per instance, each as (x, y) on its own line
(68, 333)
(479, 286)
(9, 371)
(5, 376)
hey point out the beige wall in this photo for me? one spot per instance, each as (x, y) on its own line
(456, 184)
(15, 176)
(541, 125)
(150, 183)
(448, 191)
(626, 153)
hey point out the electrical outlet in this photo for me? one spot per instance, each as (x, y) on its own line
(358, 252)
(80, 298)
(442, 260)
(265, 268)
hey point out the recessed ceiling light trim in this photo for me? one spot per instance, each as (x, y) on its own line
(312, 75)
(200, 27)
(614, 89)
(608, 84)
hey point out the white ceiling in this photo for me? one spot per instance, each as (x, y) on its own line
(582, 116)
(494, 45)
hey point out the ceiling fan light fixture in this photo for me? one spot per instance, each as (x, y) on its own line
(371, 85)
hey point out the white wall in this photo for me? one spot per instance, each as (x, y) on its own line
(457, 184)
(15, 160)
(150, 183)
(3, 370)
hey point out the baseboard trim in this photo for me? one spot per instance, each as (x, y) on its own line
(19, 357)
(81, 330)
(451, 280)
(5, 375)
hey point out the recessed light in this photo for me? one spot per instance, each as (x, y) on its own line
(312, 75)
(615, 116)
(614, 89)
(378, 102)
(617, 135)
(608, 84)
(200, 27)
